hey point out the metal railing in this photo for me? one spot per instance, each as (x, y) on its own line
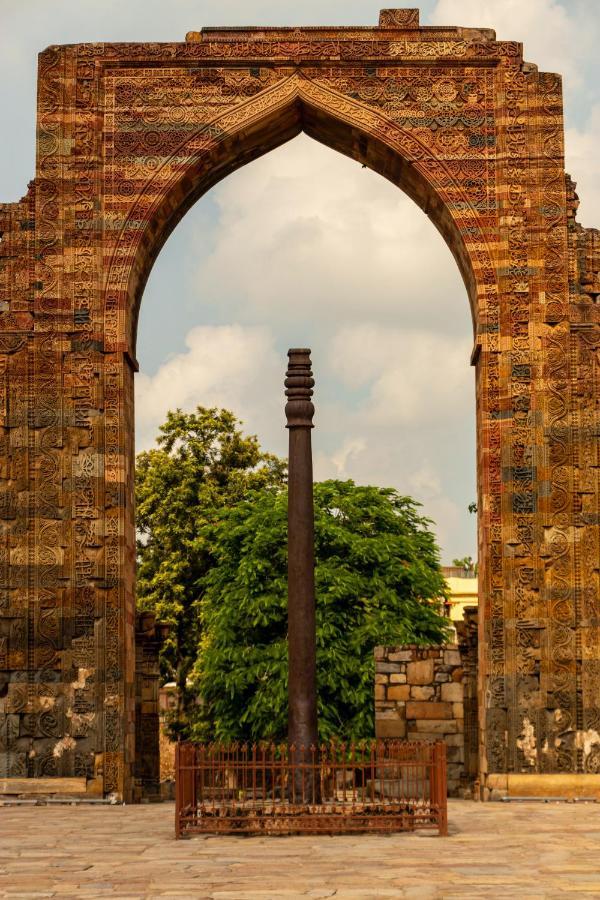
(336, 788)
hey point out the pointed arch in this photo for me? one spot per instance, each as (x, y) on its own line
(257, 126)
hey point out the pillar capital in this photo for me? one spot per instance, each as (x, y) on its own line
(299, 384)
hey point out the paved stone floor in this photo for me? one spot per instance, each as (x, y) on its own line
(525, 850)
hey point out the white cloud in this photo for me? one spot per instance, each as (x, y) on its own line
(228, 366)
(317, 237)
(553, 39)
(583, 163)
(414, 377)
(425, 482)
(416, 467)
(349, 450)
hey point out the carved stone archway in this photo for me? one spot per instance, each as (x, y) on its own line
(129, 136)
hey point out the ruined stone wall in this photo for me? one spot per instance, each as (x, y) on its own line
(468, 646)
(149, 636)
(419, 696)
(129, 136)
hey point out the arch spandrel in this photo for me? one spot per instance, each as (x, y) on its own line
(129, 135)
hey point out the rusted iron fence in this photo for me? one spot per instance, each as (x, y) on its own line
(337, 788)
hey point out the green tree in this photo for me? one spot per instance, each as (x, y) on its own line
(202, 464)
(378, 581)
(466, 563)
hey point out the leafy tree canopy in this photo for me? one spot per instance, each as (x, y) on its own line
(202, 464)
(377, 571)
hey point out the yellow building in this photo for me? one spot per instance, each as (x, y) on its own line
(463, 588)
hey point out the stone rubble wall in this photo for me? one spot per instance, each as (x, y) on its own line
(419, 695)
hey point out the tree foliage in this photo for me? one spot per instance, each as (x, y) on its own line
(377, 570)
(466, 563)
(202, 465)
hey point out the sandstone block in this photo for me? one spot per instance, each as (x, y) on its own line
(458, 710)
(422, 692)
(398, 679)
(398, 692)
(390, 728)
(458, 674)
(452, 658)
(401, 656)
(436, 726)
(420, 671)
(452, 692)
(71, 785)
(379, 692)
(428, 710)
(566, 785)
(423, 736)
(456, 754)
(381, 679)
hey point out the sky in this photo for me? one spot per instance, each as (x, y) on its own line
(304, 247)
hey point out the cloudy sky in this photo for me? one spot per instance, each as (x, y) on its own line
(305, 247)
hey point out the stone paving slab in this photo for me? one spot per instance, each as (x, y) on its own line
(520, 850)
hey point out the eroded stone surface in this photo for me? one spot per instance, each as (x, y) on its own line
(129, 135)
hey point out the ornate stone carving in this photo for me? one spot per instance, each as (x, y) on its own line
(129, 136)
(399, 18)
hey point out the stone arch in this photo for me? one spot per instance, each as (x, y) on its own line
(128, 135)
(262, 123)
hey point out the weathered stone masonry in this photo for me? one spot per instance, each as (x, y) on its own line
(419, 696)
(149, 637)
(128, 137)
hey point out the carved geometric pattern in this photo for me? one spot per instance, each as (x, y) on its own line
(128, 137)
